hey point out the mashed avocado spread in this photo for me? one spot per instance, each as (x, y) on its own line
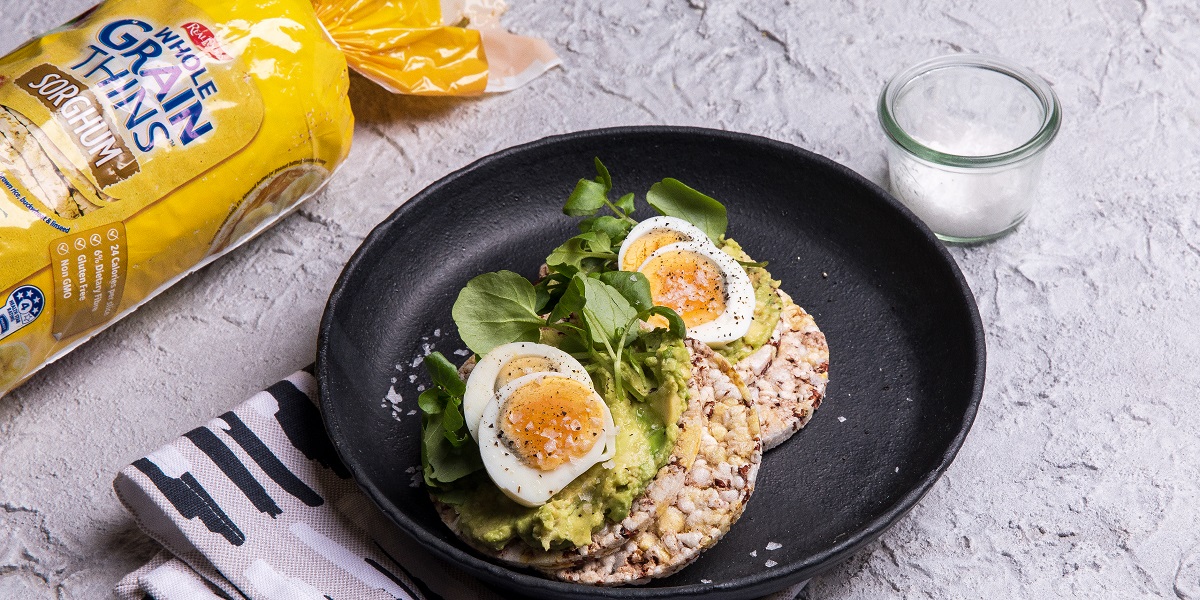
(647, 431)
(767, 307)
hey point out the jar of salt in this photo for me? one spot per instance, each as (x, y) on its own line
(967, 135)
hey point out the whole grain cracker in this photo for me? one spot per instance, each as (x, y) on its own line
(787, 376)
(715, 489)
(659, 493)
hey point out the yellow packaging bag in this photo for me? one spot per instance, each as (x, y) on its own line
(148, 137)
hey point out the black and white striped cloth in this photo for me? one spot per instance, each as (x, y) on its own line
(255, 505)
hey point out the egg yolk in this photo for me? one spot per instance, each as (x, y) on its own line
(521, 366)
(688, 283)
(551, 421)
(641, 248)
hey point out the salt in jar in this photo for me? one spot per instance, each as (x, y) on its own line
(967, 136)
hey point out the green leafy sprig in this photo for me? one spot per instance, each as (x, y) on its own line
(594, 250)
(674, 198)
(600, 236)
(597, 315)
(448, 453)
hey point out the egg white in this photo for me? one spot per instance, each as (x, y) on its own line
(481, 385)
(655, 224)
(735, 321)
(527, 485)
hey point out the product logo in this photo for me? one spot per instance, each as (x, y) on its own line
(84, 121)
(139, 82)
(204, 39)
(22, 308)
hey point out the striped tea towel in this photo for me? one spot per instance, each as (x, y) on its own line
(255, 505)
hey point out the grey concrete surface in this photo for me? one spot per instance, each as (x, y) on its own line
(1081, 476)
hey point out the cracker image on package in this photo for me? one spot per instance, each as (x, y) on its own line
(147, 137)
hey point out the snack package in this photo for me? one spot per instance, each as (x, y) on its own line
(145, 138)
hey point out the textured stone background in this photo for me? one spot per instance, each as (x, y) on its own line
(1081, 476)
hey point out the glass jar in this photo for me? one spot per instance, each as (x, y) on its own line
(967, 135)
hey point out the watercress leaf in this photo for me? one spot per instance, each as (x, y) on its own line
(633, 286)
(636, 383)
(606, 311)
(453, 495)
(464, 462)
(561, 275)
(430, 401)
(625, 203)
(597, 241)
(573, 252)
(616, 229)
(574, 344)
(426, 468)
(673, 198)
(602, 175)
(556, 285)
(496, 308)
(587, 198)
(632, 333)
(571, 300)
(542, 297)
(442, 462)
(675, 324)
(453, 424)
(444, 374)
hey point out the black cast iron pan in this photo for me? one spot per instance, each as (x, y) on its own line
(906, 342)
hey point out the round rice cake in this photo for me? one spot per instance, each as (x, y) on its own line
(787, 376)
(714, 492)
(661, 490)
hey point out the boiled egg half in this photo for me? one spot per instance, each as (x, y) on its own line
(540, 432)
(706, 286)
(652, 234)
(508, 362)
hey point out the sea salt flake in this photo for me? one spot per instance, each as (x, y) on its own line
(774, 546)
(841, 419)
(393, 380)
(412, 378)
(393, 396)
(461, 352)
(705, 581)
(754, 553)
(417, 360)
(770, 563)
(411, 412)
(897, 469)
(421, 388)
